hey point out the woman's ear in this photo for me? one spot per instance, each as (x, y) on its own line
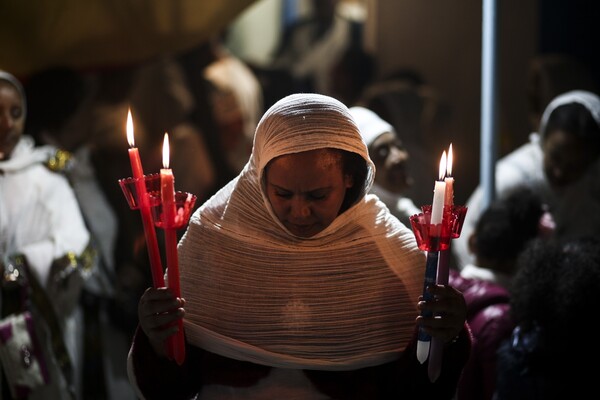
(348, 181)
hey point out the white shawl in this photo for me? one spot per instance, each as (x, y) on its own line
(342, 299)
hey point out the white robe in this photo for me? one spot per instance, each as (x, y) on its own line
(40, 218)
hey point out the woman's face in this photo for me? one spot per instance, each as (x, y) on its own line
(12, 119)
(566, 157)
(391, 162)
(306, 190)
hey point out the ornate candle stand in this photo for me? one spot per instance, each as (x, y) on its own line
(435, 240)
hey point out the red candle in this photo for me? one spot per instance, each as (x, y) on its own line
(449, 198)
(144, 206)
(167, 194)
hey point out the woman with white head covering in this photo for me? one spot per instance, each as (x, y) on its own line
(297, 283)
(561, 163)
(42, 236)
(391, 162)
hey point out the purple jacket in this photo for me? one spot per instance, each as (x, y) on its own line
(488, 315)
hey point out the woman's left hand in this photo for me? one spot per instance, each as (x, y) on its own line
(448, 309)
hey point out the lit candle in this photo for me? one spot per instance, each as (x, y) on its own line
(144, 206)
(449, 197)
(439, 192)
(167, 186)
(167, 195)
(443, 272)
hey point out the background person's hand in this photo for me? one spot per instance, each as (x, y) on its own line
(449, 312)
(158, 313)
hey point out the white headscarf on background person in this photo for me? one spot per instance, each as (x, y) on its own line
(340, 300)
(5, 76)
(587, 99)
(370, 124)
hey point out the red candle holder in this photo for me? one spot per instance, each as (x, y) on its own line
(129, 187)
(437, 237)
(184, 205)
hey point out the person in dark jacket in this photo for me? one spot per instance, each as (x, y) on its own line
(501, 233)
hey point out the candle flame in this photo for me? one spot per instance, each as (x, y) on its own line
(130, 139)
(166, 151)
(442, 170)
(449, 162)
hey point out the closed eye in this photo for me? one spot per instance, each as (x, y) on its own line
(283, 194)
(318, 195)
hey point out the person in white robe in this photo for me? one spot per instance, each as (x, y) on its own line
(561, 162)
(42, 235)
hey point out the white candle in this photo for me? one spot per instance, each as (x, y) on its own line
(439, 193)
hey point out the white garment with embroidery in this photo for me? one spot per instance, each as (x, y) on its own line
(40, 218)
(39, 215)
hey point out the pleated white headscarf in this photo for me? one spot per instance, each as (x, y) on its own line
(340, 300)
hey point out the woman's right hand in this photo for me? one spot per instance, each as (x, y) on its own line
(158, 313)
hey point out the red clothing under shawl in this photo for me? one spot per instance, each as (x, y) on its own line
(405, 378)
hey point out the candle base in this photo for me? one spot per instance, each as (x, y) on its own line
(422, 351)
(435, 359)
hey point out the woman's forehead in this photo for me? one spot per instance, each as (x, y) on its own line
(306, 159)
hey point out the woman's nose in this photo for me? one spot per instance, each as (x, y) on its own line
(300, 208)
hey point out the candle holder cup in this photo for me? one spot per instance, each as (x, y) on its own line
(437, 237)
(184, 205)
(130, 190)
